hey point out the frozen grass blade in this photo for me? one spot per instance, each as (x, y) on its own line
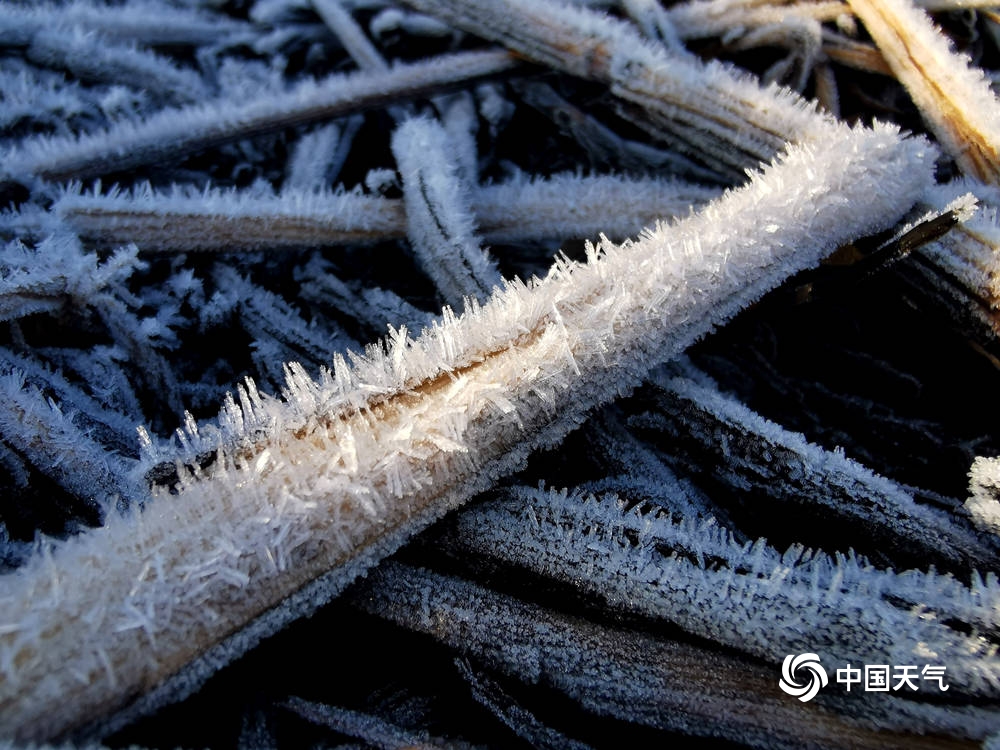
(342, 24)
(147, 22)
(375, 732)
(90, 56)
(954, 98)
(742, 449)
(749, 595)
(171, 133)
(313, 164)
(726, 120)
(55, 445)
(186, 219)
(614, 671)
(439, 219)
(314, 489)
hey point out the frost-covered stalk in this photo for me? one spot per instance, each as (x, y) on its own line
(750, 596)
(375, 732)
(173, 132)
(461, 122)
(741, 448)
(699, 19)
(49, 438)
(613, 671)
(182, 220)
(148, 22)
(653, 20)
(954, 98)
(185, 219)
(728, 121)
(92, 57)
(358, 46)
(962, 266)
(439, 218)
(570, 206)
(313, 165)
(316, 488)
(603, 145)
(634, 470)
(490, 694)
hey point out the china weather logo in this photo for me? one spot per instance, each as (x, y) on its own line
(795, 668)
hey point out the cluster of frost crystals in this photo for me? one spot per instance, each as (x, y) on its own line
(309, 490)
(983, 504)
(53, 441)
(46, 100)
(58, 271)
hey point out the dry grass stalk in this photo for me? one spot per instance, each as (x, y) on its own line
(954, 98)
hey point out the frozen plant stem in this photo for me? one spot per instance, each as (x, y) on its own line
(339, 20)
(750, 596)
(310, 166)
(92, 57)
(439, 219)
(560, 207)
(375, 732)
(954, 98)
(177, 131)
(318, 487)
(613, 671)
(726, 121)
(742, 449)
(701, 19)
(137, 21)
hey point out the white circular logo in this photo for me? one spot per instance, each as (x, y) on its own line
(817, 676)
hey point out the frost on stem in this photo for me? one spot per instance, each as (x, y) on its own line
(749, 595)
(747, 452)
(181, 219)
(439, 219)
(319, 485)
(955, 98)
(614, 671)
(725, 121)
(174, 132)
